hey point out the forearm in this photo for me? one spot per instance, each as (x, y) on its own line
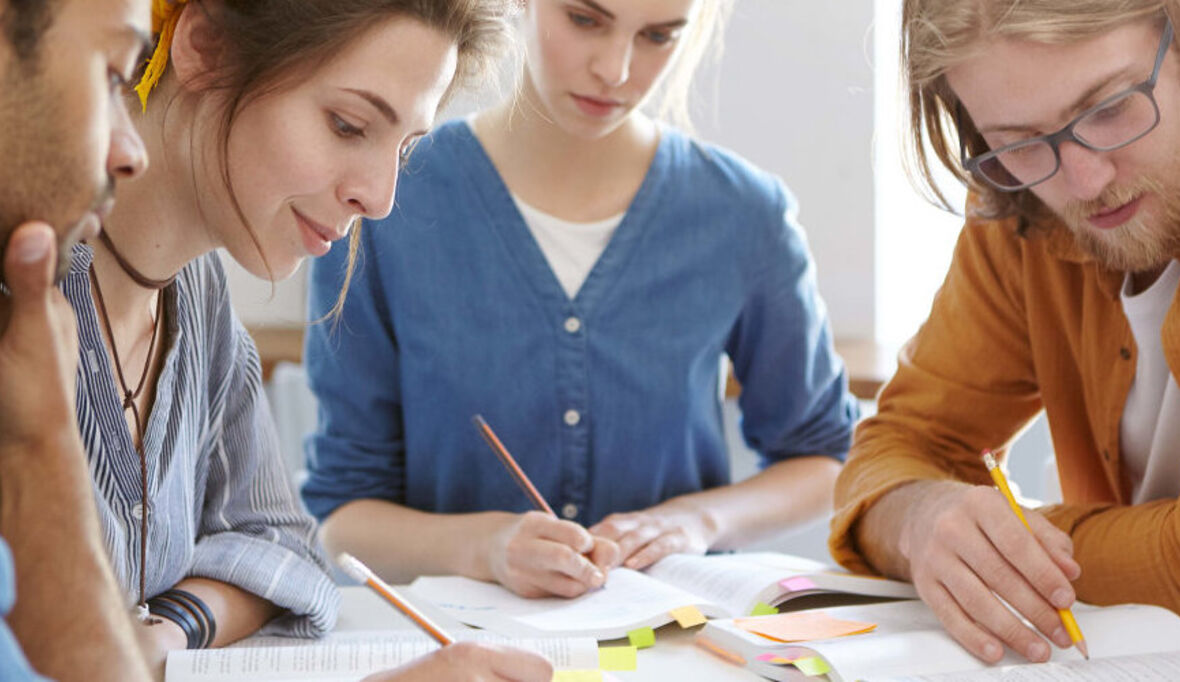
(47, 515)
(784, 494)
(401, 544)
(237, 613)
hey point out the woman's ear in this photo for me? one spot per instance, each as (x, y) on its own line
(197, 47)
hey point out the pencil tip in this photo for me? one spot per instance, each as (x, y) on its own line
(1081, 645)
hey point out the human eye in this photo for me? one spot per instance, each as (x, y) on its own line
(582, 20)
(1110, 111)
(117, 81)
(344, 128)
(661, 36)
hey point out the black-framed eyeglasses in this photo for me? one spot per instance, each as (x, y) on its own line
(1115, 122)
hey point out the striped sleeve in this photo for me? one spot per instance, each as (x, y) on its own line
(253, 532)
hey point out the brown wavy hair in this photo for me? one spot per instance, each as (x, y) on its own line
(270, 44)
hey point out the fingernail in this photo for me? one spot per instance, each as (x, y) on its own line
(34, 247)
(1062, 598)
(598, 578)
(1061, 638)
(1038, 651)
(992, 651)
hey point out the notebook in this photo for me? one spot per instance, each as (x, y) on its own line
(909, 641)
(719, 586)
(348, 656)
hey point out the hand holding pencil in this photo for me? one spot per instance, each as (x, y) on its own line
(536, 554)
(455, 662)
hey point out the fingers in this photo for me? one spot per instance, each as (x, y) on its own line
(1058, 543)
(545, 556)
(515, 665)
(631, 532)
(1025, 552)
(565, 532)
(958, 625)
(606, 554)
(29, 262)
(671, 542)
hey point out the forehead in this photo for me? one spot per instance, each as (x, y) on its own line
(402, 60)
(646, 11)
(1016, 81)
(99, 19)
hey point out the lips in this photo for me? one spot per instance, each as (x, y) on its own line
(1112, 218)
(317, 239)
(596, 106)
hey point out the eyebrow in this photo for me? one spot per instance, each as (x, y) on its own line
(675, 23)
(378, 103)
(1067, 112)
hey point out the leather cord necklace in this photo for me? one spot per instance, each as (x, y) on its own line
(130, 396)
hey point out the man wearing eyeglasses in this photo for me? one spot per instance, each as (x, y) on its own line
(1063, 117)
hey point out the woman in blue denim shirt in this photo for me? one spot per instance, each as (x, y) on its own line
(574, 271)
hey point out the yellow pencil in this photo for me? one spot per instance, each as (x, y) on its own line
(362, 574)
(1067, 619)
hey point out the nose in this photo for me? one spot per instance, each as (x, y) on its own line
(369, 190)
(127, 158)
(611, 64)
(1086, 172)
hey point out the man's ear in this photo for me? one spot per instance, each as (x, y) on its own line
(197, 46)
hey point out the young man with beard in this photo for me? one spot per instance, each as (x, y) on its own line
(1063, 117)
(65, 137)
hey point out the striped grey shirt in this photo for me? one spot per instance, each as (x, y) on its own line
(220, 505)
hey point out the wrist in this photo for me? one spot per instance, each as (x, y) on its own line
(685, 512)
(480, 538)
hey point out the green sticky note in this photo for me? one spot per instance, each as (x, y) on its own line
(577, 676)
(763, 609)
(617, 657)
(813, 666)
(642, 638)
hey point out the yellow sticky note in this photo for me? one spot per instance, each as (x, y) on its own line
(802, 626)
(688, 616)
(642, 638)
(763, 609)
(617, 657)
(813, 666)
(577, 676)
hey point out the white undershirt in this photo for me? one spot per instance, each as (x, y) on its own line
(1149, 432)
(572, 249)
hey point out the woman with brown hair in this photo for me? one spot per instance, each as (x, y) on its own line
(273, 125)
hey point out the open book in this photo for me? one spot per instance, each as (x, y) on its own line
(909, 641)
(720, 586)
(348, 656)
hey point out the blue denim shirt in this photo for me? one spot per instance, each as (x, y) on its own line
(610, 402)
(13, 665)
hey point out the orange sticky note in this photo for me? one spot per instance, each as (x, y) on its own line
(688, 616)
(801, 626)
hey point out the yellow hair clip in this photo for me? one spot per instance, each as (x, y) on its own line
(165, 14)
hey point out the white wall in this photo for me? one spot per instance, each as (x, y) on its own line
(793, 93)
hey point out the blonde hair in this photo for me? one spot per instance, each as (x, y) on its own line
(939, 34)
(705, 37)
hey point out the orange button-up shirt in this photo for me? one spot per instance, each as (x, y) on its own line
(1021, 324)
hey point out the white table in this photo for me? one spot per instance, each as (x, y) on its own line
(674, 658)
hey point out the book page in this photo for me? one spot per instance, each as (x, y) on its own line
(348, 657)
(909, 640)
(1163, 667)
(724, 579)
(629, 600)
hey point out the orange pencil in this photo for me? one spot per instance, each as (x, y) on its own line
(513, 468)
(1067, 619)
(361, 573)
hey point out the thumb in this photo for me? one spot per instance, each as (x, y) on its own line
(29, 264)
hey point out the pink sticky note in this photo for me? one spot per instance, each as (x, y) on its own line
(798, 584)
(774, 658)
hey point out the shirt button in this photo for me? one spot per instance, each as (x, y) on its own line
(572, 325)
(572, 417)
(137, 511)
(570, 511)
(1125, 353)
